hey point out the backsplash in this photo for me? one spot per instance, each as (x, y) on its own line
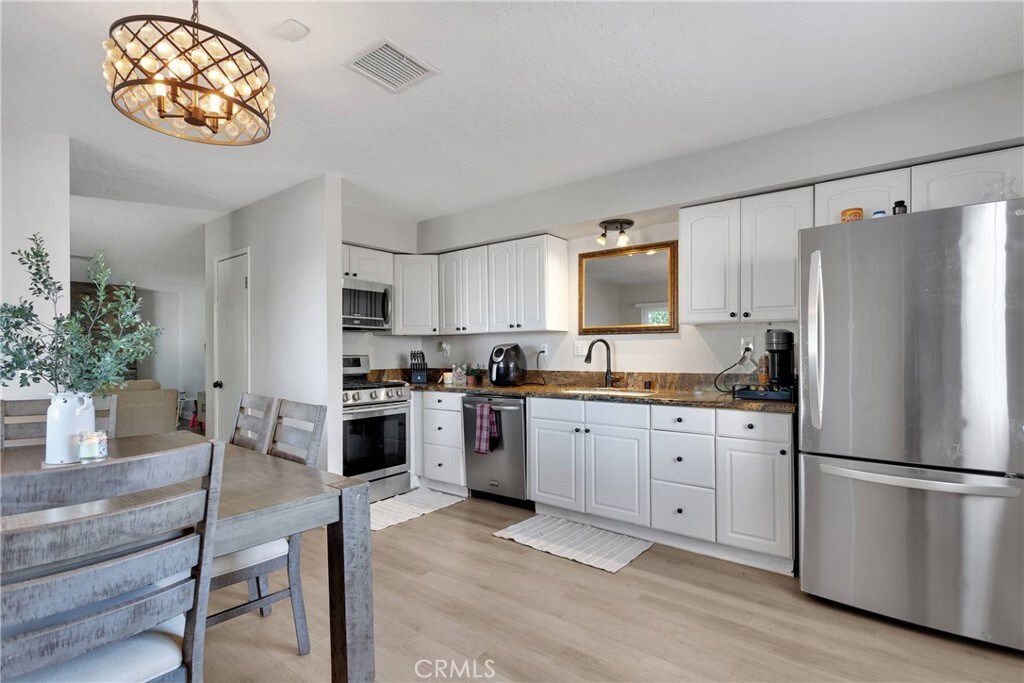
(660, 381)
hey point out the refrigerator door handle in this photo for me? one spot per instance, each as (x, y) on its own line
(816, 339)
(922, 484)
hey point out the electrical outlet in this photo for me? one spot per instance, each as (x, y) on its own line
(579, 348)
(543, 349)
(747, 344)
(446, 349)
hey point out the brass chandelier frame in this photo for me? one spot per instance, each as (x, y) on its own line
(238, 112)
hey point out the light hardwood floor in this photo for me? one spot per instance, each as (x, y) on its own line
(446, 589)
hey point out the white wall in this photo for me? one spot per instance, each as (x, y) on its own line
(36, 197)
(193, 340)
(163, 309)
(288, 262)
(974, 117)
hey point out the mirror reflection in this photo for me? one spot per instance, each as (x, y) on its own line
(629, 290)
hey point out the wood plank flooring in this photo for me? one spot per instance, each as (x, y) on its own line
(446, 589)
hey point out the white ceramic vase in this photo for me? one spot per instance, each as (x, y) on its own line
(69, 413)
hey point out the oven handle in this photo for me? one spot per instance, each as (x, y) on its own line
(373, 411)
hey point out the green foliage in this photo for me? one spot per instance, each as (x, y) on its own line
(87, 351)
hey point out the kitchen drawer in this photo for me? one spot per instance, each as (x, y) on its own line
(683, 458)
(443, 428)
(744, 424)
(683, 510)
(617, 414)
(556, 409)
(683, 419)
(443, 463)
(442, 400)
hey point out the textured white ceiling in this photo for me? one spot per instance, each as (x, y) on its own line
(529, 96)
(156, 247)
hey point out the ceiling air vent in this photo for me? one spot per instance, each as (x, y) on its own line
(389, 67)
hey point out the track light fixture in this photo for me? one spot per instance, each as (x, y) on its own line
(620, 224)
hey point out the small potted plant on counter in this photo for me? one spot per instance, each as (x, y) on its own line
(85, 352)
(474, 377)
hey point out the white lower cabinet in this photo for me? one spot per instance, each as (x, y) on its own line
(441, 433)
(444, 463)
(683, 510)
(617, 471)
(754, 488)
(555, 463)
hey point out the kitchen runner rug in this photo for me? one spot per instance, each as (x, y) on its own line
(391, 511)
(583, 543)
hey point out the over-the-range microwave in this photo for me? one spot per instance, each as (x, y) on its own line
(366, 305)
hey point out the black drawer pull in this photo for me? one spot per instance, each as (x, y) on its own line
(587, 430)
(750, 425)
(438, 429)
(782, 452)
(440, 464)
(679, 511)
(679, 458)
(577, 430)
(679, 419)
(439, 401)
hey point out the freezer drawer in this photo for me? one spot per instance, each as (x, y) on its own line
(931, 547)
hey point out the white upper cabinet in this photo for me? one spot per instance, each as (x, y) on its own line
(739, 258)
(416, 295)
(869, 192)
(474, 289)
(449, 299)
(502, 294)
(769, 258)
(967, 180)
(709, 240)
(367, 264)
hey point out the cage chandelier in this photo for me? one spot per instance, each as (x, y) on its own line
(188, 80)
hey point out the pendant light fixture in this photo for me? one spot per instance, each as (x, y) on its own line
(188, 80)
(620, 224)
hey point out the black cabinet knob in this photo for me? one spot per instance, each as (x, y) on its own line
(679, 511)
(782, 452)
(355, 274)
(750, 425)
(511, 325)
(746, 314)
(679, 458)
(732, 314)
(218, 384)
(679, 419)
(438, 429)
(439, 401)
(587, 431)
(440, 464)
(577, 430)
(435, 329)
(518, 325)
(346, 274)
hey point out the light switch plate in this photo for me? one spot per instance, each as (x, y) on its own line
(579, 348)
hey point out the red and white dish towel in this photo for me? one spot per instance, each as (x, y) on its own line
(488, 429)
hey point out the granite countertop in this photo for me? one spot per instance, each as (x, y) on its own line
(697, 399)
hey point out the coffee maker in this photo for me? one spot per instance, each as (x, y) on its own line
(781, 384)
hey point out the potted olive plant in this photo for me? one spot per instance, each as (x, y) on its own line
(80, 354)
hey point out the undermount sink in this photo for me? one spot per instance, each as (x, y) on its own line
(609, 391)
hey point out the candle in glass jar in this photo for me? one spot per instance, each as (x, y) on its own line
(88, 446)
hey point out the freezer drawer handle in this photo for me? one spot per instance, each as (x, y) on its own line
(922, 484)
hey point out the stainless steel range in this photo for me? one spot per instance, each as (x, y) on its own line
(375, 418)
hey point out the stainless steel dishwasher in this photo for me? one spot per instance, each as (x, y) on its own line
(502, 471)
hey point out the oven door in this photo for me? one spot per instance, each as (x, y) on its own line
(375, 441)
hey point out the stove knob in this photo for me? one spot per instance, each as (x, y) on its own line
(390, 393)
(355, 396)
(399, 393)
(373, 395)
(344, 397)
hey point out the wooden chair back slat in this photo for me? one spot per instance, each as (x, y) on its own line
(253, 422)
(28, 408)
(79, 576)
(23, 423)
(28, 491)
(298, 429)
(19, 431)
(55, 593)
(26, 652)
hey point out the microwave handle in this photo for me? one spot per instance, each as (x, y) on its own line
(386, 302)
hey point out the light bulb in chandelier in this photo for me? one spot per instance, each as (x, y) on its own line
(623, 239)
(602, 239)
(195, 79)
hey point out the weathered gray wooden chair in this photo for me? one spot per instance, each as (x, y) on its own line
(296, 432)
(104, 575)
(252, 422)
(23, 423)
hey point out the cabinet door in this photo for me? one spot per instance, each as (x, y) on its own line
(474, 289)
(449, 279)
(346, 260)
(555, 463)
(958, 182)
(531, 279)
(869, 192)
(372, 265)
(769, 263)
(709, 261)
(754, 495)
(501, 291)
(444, 463)
(416, 295)
(618, 473)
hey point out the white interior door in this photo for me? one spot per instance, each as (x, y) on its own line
(230, 340)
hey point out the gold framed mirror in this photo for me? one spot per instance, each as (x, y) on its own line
(631, 290)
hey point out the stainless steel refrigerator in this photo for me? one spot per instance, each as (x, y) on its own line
(912, 418)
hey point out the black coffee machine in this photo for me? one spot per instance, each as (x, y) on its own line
(781, 384)
(507, 365)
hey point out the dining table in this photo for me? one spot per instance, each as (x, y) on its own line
(264, 498)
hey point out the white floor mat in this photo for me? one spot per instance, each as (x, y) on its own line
(385, 513)
(583, 543)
